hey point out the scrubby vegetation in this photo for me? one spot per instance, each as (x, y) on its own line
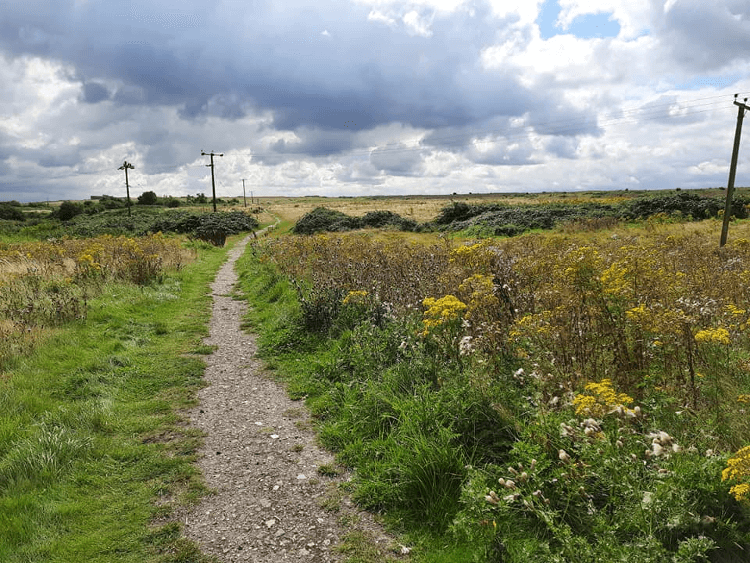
(11, 212)
(50, 283)
(561, 397)
(211, 227)
(506, 220)
(328, 220)
(498, 219)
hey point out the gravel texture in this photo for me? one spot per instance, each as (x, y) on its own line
(259, 456)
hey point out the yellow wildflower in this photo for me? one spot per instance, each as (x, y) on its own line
(713, 335)
(357, 296)
(440, 311)
(602, 399)
(737, 469)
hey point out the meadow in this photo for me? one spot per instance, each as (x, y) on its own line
(573, 395)
(576, 394)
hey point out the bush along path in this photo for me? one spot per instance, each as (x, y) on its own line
(276, 495)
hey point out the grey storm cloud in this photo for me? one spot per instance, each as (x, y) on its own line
(707, 36)
(295, 59)
(399, 160)
(93, 92)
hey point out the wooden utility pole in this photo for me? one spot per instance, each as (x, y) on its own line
(125, 166)
(211, 166)
(733, 168)
(244, 197)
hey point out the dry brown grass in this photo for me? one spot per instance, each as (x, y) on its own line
(658, 305)
(422, 208)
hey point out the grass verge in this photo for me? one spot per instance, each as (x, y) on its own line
(94, 454)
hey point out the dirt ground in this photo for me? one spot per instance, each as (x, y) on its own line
(276, 493)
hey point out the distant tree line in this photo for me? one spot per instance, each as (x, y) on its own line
(69, 209)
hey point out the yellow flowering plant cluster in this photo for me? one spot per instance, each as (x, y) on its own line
(481, 298)
(632, 307)
(738, 469)
(440, 312)
(713, 336)
(601, 399)
(489, 315)
(643, 309)
(478, 258)
(356, 297)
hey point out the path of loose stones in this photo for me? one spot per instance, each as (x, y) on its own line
(259, 456)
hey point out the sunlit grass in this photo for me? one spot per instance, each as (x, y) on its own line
(94, 456)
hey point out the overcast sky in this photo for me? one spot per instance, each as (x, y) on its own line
(363, 97)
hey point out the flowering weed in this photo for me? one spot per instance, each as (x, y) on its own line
(586, 382)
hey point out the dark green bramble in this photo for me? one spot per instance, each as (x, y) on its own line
(322, 219)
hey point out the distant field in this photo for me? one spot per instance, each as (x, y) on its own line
(425, 208)
(420, 208)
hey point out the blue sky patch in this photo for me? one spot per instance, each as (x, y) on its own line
(585, 27)
(702, 81)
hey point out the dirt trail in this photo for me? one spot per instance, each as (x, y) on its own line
(260, 457)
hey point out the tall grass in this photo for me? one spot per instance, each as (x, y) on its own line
(47, 284)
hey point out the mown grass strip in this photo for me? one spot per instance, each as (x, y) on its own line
(94, 453)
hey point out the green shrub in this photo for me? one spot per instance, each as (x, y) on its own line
(501, 220)
(148, 198)
(10, 212)
(322, 219)
(68, 210)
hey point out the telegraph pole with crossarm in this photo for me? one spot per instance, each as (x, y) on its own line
(212, 154)
(743, 107)
(125, 166)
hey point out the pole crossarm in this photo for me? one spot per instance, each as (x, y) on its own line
(742, 108)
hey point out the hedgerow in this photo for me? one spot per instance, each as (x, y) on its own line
(144, 221)
(506, 220)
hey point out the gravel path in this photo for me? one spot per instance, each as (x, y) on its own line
(261, 459)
